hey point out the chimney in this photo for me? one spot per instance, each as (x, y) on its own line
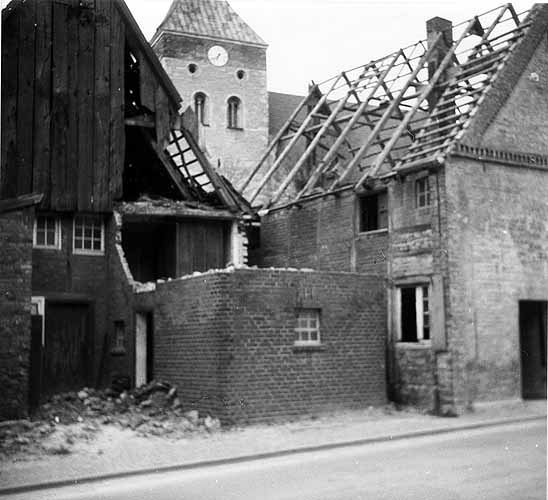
(433, 27)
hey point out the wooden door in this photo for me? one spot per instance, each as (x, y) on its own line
(67, 359)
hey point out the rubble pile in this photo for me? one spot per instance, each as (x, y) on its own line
(151, 409)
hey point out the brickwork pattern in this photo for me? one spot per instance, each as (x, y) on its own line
(15, 301)
(227, 340)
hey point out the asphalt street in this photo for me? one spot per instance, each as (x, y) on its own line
(506, 462)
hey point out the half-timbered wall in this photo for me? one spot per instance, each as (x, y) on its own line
(63, 100)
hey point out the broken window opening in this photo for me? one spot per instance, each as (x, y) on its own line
(414, 314)
(373, 212)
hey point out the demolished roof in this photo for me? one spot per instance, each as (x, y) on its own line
(400, 112)
(210, 18)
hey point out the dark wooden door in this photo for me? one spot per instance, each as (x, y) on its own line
(67, 348)
(532, 325)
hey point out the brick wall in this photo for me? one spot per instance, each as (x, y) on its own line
(227, 340)
(15, 298)
(238, 150)
(321, 234)
(498, 255)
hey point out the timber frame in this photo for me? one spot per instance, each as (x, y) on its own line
(404, 111)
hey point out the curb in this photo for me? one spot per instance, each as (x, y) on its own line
(261, 456)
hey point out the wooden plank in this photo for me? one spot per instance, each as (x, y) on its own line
(10, 55)
(117, 126)
(59, 107)
(25, 98)
(148, 83)
(41, 180)
(72, 171)
(101, 162)
(162, 117)
(86, 128)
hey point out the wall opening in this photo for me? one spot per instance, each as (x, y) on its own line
(532, 333)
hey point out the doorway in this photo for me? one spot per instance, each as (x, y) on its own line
(532, 333)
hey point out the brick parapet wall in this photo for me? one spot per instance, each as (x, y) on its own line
(15, 303)
(227, 340)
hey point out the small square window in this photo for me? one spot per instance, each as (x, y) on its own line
(373, 212)
(89, 235)
(47, 232)
(307, 331)
(422, 192)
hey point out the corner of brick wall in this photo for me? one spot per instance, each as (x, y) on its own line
(15, 319)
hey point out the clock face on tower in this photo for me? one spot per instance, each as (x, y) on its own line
(217, 55)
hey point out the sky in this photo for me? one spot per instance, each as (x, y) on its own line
(316, 39)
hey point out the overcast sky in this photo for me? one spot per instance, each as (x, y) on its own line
(315, 39)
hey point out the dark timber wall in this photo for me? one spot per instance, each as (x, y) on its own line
(63, 86)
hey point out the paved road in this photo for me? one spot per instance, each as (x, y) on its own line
(496, 463)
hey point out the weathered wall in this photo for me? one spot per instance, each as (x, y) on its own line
(498, 255)
(238, 151)
(64, 276)
(15, 319)
(227, 340)
(322, 234)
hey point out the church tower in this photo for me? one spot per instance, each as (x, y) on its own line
(218, 65)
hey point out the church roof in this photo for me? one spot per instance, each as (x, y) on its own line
(211, 18)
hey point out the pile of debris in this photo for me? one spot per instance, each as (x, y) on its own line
(151, 409)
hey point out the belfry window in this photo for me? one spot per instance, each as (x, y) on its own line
(234, 110)
(200, 108)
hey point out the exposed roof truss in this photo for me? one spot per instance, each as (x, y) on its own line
(382, 117)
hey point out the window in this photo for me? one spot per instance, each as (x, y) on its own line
(373, 212)
(119, 338)
(307, 331)
(47, 232)
(414, 314)
(88, 235)
(422, 192)
(200, 108)
(233, 113)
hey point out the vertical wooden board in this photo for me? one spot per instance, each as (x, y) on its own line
(213, 245)
(117, 132)
(162, 117)
(184, 249)
(100, 200)
(10, 55)
(41, 180)
(25, 97)
(71, 173)
(86, 46)
(148, 84)
(59, 107)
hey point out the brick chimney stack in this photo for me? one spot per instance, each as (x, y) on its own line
(433, 27)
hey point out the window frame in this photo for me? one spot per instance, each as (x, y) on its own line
(423, 333)
(361, 211)
(57, 233)
(423, 192)
(88, 251)
(236, 124)
(307, 314)
(202, 117)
